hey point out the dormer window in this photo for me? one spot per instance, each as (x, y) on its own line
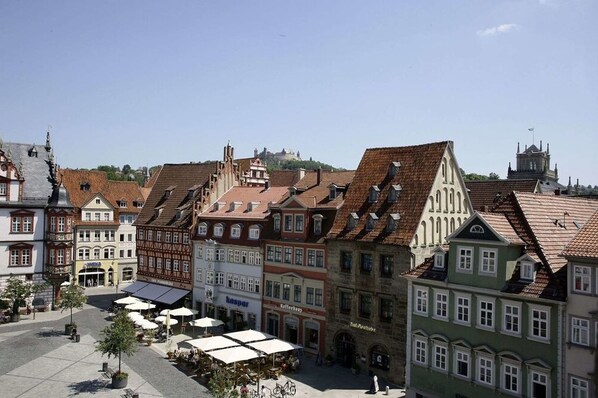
(352, 221)
(218, 230)
(251, 206)
(276, 218)
(234, 206)
(85, 187)
(178, 215)
(476, 229)
(219, 205)
(332, 193)
(371, 222)
(393, 169)
(254, 232)
(168, 191)
(394, 192)
(158, 211)
(202, 229)
(392, 223)
(235, 231)
(317, 224)
(122, 204)
(439, 260)
(527, 271)
(292, 191)
(374, 193)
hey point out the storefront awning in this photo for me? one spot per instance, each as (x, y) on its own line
(151, 292)
(134, 287)
(172, 296)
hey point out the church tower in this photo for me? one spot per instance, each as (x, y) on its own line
(533, 163)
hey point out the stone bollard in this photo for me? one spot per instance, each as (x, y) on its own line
(387, 390)
(77, 338)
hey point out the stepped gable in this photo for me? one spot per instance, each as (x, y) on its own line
(161, 209)
(585, 243)
(484, 195)
(416, 175)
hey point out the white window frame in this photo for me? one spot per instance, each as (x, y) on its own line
(579, 387)
(441, 306)
(511, 304)
(235, 231)
(254, 232)
(421, 301)
(299, 223)
(480, 324)
(533, 309)
(202, 229)
(459, 355)
(528, 271)
(507, 366)
(439, 350)
(464, 261)
(288, 223)
(489, 262)
(580, 331)
(420, 351)
(585, 277)
(546, 374)
(459, 297)
(218, 230)
(488, 366)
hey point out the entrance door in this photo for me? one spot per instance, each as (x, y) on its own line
(345, 349)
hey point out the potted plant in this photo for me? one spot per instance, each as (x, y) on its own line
(73, 296)
(16, 291)
(328, 359)
(119, 338)
(149, 336)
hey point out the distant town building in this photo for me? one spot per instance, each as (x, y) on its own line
(285, 154)
(534, 163)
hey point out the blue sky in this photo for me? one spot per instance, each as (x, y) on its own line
(148, 82)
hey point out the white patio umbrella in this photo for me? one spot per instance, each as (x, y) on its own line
(233, 354)
(273, 346)
(127, 300)
(247, 336)
(65, 283)
(149, 325)
(206, 323)
(165, 312)
(162, 319)
(212, 343)
(134, 315)
(140, 306)
(183, 311)
(139, 321)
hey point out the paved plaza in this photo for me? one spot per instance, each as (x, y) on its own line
(39, 360)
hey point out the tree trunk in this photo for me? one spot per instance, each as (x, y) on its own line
(118, 361)
(71, 315)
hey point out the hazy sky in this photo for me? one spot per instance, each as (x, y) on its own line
(148, 82)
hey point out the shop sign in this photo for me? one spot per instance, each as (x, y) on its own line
(93, 264)
(363, 327)
(291, 308)
(234, 301)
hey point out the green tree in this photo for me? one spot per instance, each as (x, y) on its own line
(222, 385)
(72, 296)
(17, 291)
(119, 338)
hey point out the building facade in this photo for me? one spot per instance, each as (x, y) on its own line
(582, 313)
(295, 295)
(486, 315)
(402, 203)
(228, 256)
(166, 222)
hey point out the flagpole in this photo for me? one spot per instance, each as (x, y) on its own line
(533, 135)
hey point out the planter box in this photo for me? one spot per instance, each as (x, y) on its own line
(119, 383)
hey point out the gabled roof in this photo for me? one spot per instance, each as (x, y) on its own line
(585, 243)
(36, 170)
(183, 177)
(500, 224)
(243, 196)
(313, 195)
(548, 222)
(419, 168)
(98, 183)
(488, 193)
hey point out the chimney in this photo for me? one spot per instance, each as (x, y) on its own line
(318, 175)
(540, 145)
(557, 192)
(300, 173)
(266, 185)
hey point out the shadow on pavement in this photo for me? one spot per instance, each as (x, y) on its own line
(89, 386)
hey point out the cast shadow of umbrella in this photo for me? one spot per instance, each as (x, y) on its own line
(89, 387)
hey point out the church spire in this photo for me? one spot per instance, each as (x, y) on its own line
(48, 145)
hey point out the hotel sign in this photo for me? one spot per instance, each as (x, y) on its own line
(291, 308)
(359, 326)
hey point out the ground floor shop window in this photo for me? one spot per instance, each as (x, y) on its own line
(312, 335)
(210, 310)
(89, 277)
(252, 321)
(272, 324)
(127, 274)
(379, 358)
(291, 326)
(345, 349)
(238, 320)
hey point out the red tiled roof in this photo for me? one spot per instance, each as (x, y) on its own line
(585, 243)
(419, 167)
(74, 179)
(243, 196)
(129, 191)
(316, 195)
(488, 193)
(500, 224)
(283, 178)
(182, 177)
